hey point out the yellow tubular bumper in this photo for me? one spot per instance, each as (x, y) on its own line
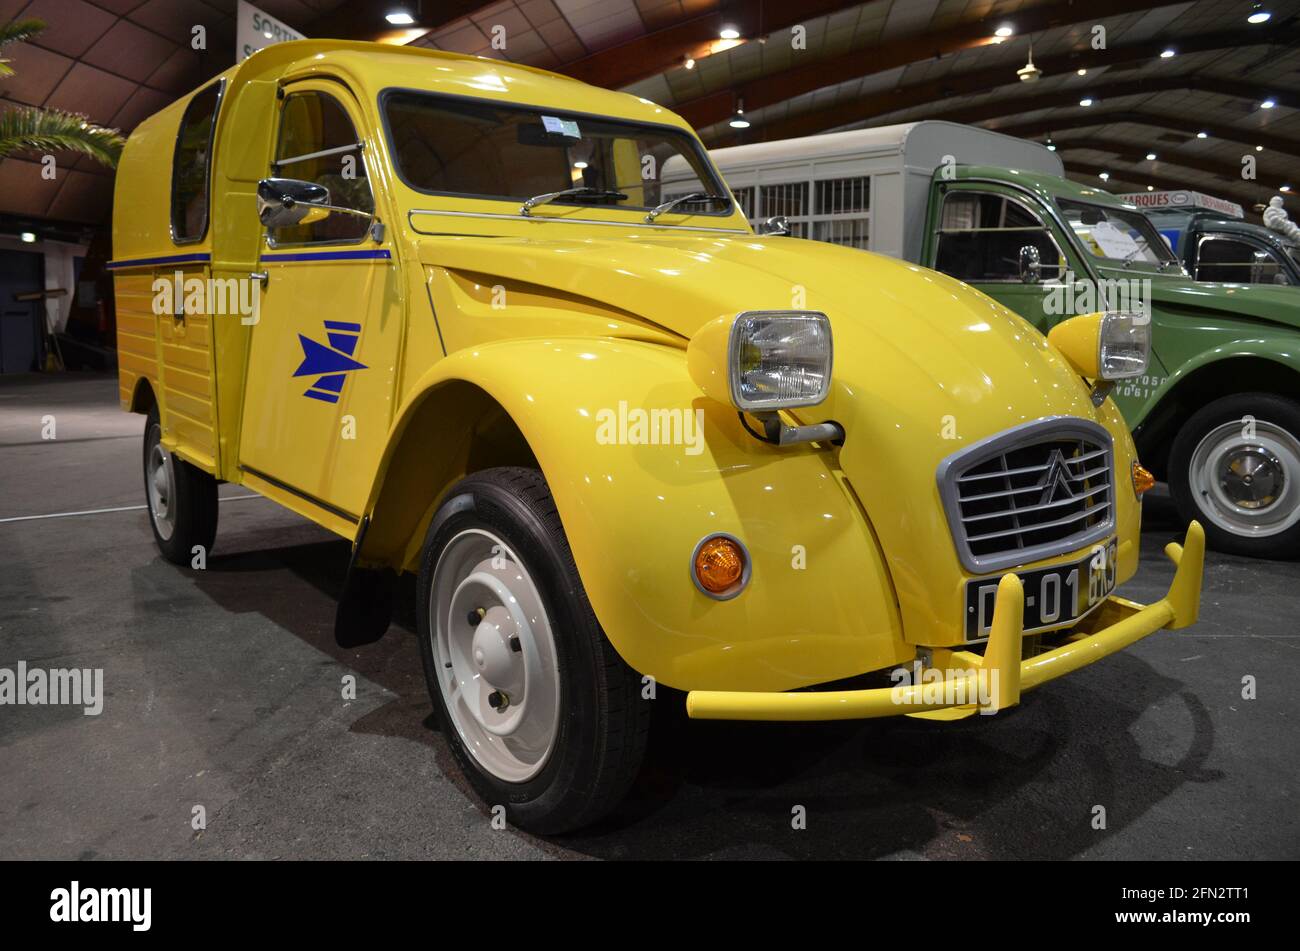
(1116, 624)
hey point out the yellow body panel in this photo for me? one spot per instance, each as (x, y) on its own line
(854, 566)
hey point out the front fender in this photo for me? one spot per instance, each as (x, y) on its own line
(820, 605)
(1282, 349)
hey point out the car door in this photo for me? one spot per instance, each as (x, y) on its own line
(323, 355)
(998, 243)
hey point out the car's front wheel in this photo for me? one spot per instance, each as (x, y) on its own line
(1235, 467)
(545, 719)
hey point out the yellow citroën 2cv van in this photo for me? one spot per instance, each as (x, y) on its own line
(622, 442)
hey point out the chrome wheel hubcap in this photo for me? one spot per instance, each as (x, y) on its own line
(1244, 478)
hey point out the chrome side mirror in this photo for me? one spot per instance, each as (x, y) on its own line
(1031, 265)
(285, 202)
(776, 225)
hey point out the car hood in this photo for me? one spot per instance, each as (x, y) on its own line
(1272, 303)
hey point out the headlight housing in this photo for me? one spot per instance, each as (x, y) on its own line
(1124, 345)
(1105, 346)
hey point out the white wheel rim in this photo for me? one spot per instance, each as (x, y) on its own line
(1248, 483)
(160, 482)
(476, 663)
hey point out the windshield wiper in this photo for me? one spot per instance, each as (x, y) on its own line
(672, 203)
(580, 192)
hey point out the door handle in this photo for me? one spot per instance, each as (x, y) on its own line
(262, 276)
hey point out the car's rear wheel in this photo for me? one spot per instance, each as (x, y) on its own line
(182, 499)
(542, 715)
(1235, 467)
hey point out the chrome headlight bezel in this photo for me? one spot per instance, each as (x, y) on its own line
(745, 329)
(1128, 335)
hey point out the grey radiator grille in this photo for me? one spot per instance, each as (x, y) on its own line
(1035, 491)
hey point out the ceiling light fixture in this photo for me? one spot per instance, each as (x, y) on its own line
(28, 237)
(1168, 53)
(729, 33)
(1258, 14)
(1029, 72)
(1151, 156)
(1151, 188)
(1285, 188)
(1268, 104)
(1259, 148)
(1104, 176)
(399, 18)
(1051, 146)
(690, 62)
(1004, 31)
(1085, 102)
(1202, 135)
(1082, 72)
(738, 121)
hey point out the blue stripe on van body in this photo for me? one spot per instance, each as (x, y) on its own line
(381, 254)
(196, 258)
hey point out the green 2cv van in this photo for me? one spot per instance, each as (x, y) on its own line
(1218, 414)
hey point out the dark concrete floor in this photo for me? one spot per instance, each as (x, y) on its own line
(224, 690)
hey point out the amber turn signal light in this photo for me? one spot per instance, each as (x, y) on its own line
(720, 566)
(1143, 480)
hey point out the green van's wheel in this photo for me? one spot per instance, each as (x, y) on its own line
(1235, 467)
(542, 715)
(182, 499)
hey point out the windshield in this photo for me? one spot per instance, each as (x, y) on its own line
(482, 149)
(1116, 234)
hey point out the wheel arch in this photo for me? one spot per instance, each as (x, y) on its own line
(1213, 378)
(143, 397)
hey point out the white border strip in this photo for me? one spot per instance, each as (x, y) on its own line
(123, 508)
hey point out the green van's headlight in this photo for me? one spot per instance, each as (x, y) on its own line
(1105, 346)
(762, 361)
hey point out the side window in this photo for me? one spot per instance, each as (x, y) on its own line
(191, 166)
(317, 143)
(980, 237)
(1236, 262)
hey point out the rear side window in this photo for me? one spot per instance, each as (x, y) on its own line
(192, 166)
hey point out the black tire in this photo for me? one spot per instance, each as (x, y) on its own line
(603, 722)
(192, 506)
(1267, 410)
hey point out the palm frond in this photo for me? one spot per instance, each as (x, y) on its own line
(20, 30)
(16, 32)
(49, 130)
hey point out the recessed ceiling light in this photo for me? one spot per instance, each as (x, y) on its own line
(1258, 14)
(1104, 176)
(1168, 53)
(1004, 31)
(1151, 156)
(1151, 188)
(1267, 104)
(1086, 101)
(28, 237)
(1202, 135)
(1082, 72)
(1259, 148)
(729, 33)
(690, 62)
(399, 18)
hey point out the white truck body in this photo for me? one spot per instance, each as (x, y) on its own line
(866, 188)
